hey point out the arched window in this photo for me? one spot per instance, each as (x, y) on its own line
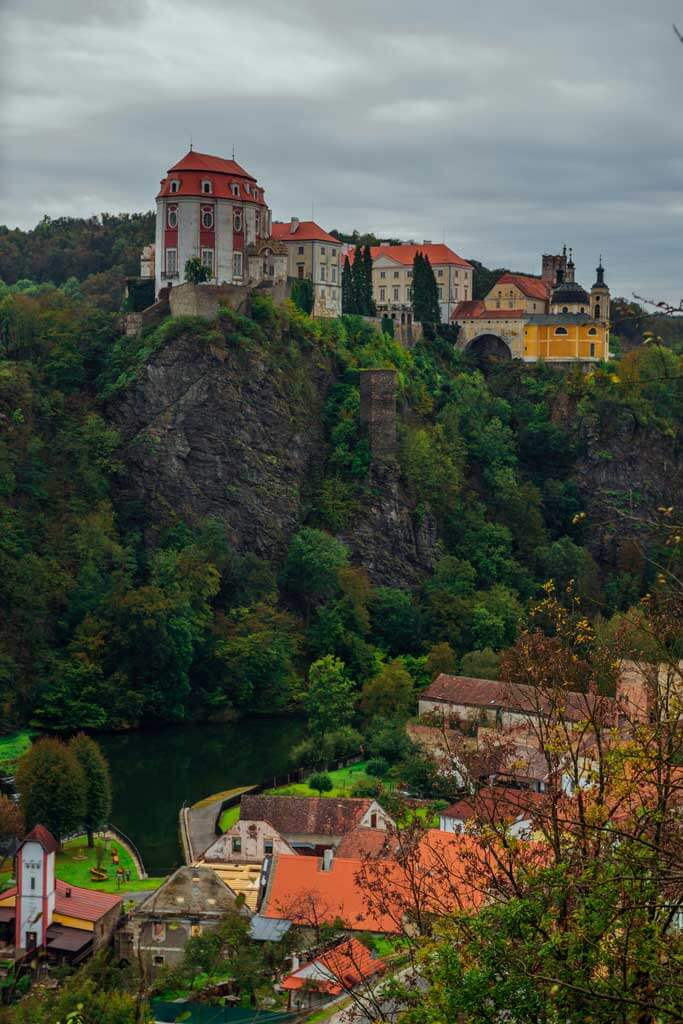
(235, 189)
(593, 332)
(583, 309)
(172, 217)
(565, 309)
(175, 186)
(237, 221)
(206, 188)
(560, 330)
(597, 311)
(207, 217)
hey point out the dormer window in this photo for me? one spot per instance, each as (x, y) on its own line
(207, 217)
(175, 185)
(237, 221)
(206, 188)
(246, 187)
(235, 189)
(560, 330)
(172, 217)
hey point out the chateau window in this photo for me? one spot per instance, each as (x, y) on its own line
(407, 294)
(236, 844)
(237, 264)
(322, 293)
(510, 303)
(565, 309)
(207, 259)
(256, 219)
(592, 349)
(334, 252)
(175, 186)
(206, 188)
(456, 273)
(396, 273)
(334, 274)
(300, 270)
(593, 332)
(207, 217)
(247, 189)
(497, 303)
(410, 273)
(323, 271)
(382, 294)
(235, 189)
(322, 250)
(560, 330)
(439, 273)
(33, 883)
(455, 293)
(301, 250)
(597, 312)
(395, 294)
(172, 218)
(237, 222)
(171, 261)
(382, 274)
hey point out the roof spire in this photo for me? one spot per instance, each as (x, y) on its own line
(233, 150)
(190, 143)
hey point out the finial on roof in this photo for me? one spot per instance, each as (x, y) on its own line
(190, 143)
(233, 150)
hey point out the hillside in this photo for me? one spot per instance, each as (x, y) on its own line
(190, 518)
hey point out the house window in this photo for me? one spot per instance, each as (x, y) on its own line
(382, 294)
(300, 270)
(334, 252)
(382, 274)
(207, 217)
(456, 273)
(247, 187)
(409, 273)
(407, 294)
(597, 312)
(582, 309)
(510, 303)
(395, 294)
(235, 189)
(323, 271)
(373, 820)
(256, 220)
(236, 844)
(158, 960)
(207, 259)
(171, 261)
(267, 847)
(33, 883)
(301, 250)
(172, 217)
(237, 264)
(334, 274)
(439, 273)
(237, 221)
(560, 330)
(592, 349)
(175, 186)
(455, 293)
(396, 273)
(206, 188)
(440, 294)
(565, 309)
(322, 293)
(322, 250)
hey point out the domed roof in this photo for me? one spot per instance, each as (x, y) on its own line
(569, 292)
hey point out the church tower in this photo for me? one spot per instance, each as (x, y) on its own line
(600, 296)
(35, 901)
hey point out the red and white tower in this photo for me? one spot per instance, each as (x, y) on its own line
(213, 209)
(35, 901)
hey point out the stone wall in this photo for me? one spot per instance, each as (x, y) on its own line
(204, 299)
(378, 409)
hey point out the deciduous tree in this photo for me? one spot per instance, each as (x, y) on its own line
(97, 783)
(52, 787)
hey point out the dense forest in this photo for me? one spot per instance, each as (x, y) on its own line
(109, 619)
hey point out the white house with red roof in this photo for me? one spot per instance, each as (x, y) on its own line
(314, 254)
(211, 208)
(392, 273)
(43, 912)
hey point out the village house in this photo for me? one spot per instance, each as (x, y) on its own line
(550, 317)
(313, 824)
(192, 902)
(315, 255)
(493, 806)
(338, 970)
(65, 923)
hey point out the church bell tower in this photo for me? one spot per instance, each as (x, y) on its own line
(600, 296)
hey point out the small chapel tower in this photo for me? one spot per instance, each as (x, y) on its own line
(35, 902)
(600, 296)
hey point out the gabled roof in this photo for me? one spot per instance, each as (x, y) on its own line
(191, 890)
(305, 815)
(489, 693)
(365, 842)
(495, 804)
(532, 287)
(338, 970)
(194, 161)
(83, 904)
(39, 834)
(438, 253)
(305, 231)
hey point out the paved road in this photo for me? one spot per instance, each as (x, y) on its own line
(201, 827)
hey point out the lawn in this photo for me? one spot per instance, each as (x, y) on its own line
(11, 749)
(229, 817)
(76, 858)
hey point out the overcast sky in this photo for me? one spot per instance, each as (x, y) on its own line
(506, 127)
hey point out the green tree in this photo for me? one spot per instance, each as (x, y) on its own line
(329, 700)
(484, 664)
(369, 308)
(196, 272)
(302, 294)
(441, 658)
(52, 788)
(312, 566)
(390, 692)
(320, 782)
(424, 291)
(395, 620)
(348, 290)
(358, 280)
(97, 783)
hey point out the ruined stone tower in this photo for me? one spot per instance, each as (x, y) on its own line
(378, 410)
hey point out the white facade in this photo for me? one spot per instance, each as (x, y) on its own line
(35, 903)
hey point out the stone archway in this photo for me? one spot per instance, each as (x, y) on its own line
(489, 347)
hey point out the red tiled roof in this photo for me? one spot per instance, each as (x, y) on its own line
(336, 971)
(364, 842)
(438, 253)
(41, 835)
(495, 804)
(306, 231)
(532, 287)
(194, 161)
(489, 693)
(85, 904)
(305, 815)
(475, 309)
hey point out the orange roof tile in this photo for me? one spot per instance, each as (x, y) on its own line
(39, 834)
(533, 287)
(85, 904)
(337, 970)
(475, 309)
(306, 231)
(439, 254)
(194, 161)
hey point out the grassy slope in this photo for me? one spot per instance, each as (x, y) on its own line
(76, 859)
(11, 749)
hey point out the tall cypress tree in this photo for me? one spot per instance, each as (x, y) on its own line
(347, 288)
(425, 292)
(369, 308)
(431, 293)
(358, 280)
(97, 783)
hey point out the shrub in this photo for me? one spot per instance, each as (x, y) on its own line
(377, 766)
(321, 782)
(367, 789)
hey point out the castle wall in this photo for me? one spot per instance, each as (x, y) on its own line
(204, 299)
(378, 409)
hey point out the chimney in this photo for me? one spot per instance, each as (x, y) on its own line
(68, 893)
(294, 226)
(426, 241)
(327, 859)
(295, 962)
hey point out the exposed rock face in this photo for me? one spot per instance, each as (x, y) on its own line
(398, 547)
(216, 432)
(625, 471)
